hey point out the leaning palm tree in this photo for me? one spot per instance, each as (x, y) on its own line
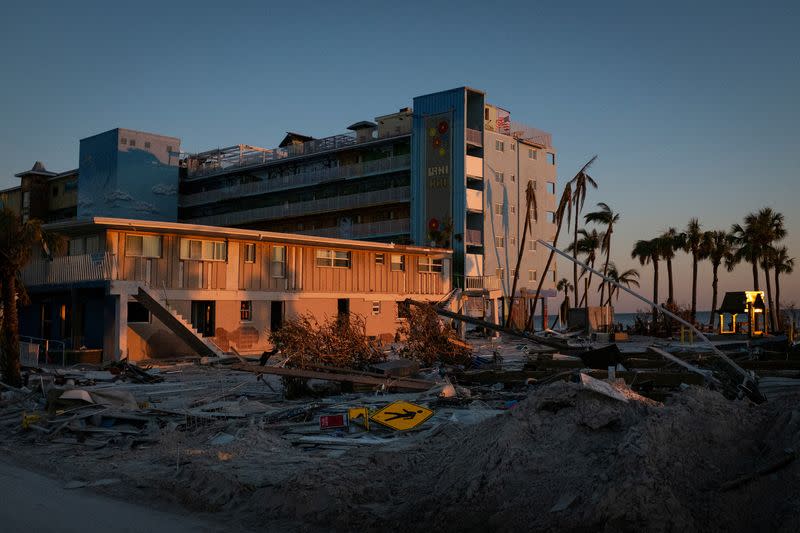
(629, 278)
(587, 245)
(564, 208)
(579, 185)
(530, 205)
(565, 286)
(693, 239)
(716, 246)
(18, 241)
(650, 252)
(782, 264)
(608, 218)
(670, 242)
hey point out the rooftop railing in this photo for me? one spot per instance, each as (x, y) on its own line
(379, 166)
(310, 207)
(362, 231)
(533, 135)
(71, 269)
(243, 156)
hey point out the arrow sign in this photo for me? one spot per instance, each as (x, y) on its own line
(402, 415)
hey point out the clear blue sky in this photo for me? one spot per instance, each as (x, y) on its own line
(692, 107)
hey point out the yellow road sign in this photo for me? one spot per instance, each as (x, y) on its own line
(402, 415)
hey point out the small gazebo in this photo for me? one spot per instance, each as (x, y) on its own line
(748, 303)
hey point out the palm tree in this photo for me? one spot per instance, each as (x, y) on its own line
(579, 184)
(693, 239)
(650, 252)
(530, 203)
(607, 218)
(564, 285)
(587, 245)
(564, 207)
(716, 246)
(17, 242)
(770, 229)
(628, 278)
(670, 242)
(759, 231)
(783, 264)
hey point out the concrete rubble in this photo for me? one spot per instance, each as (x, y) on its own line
(525, 437)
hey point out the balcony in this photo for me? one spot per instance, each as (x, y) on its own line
(489, 283)
(71, 269)
(474, 200)
(363, 231)
(380, 166)
(474, 167)
(474, 137)
(532, 135)
(473, 237)
(311, 207)
(244, 156)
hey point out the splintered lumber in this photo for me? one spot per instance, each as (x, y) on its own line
(658, 379)
(362, 378)
(707, 374)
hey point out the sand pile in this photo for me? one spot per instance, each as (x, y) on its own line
(564, 459)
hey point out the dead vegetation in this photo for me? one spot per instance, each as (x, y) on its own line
(430, 340)
(306, 343)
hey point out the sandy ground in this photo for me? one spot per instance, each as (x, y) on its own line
(32, 502)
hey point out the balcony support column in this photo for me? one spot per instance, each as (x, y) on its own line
(115, 333)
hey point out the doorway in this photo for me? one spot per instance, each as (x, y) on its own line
(343, 308)
(276, 316)
(203, 317)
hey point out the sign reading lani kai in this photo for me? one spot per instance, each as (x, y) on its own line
(438, 169)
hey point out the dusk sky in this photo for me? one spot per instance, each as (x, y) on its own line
(692, 108)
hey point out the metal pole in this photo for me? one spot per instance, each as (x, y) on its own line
(654, 305)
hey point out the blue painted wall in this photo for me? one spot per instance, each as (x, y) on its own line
(117, 179)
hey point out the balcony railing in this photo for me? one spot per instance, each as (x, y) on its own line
(380, 166)
(534, 135)
(474, 200)
(362, 231)
(477, 282)
(243, 156)
(474, 237)
(71, 269)
(474, 137)
(310, 207)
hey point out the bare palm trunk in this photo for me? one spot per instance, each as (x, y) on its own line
(694, 288)
(670, 292)
(655, 291)
(778, 300)
(714, 286)
(519, 260)
(605, 273)
(770, 310)
(575, 255)
(529, 323)
(755, 276)
(9, 343)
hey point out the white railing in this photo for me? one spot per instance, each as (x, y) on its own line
(361, 231)
(389, 164)
(534, 135)
(71, 269)
(217, 161)
(478, 282)
(474, 137)
(336, 203)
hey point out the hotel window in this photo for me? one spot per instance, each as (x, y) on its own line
(499, 241)
(398, 262)
(199, 250)
(428, 264)
(123, 140)
(333, 258)
(246, 311)
(513, 273)
(147, 144)
(513, 209)
(500, 273)
(376, 308)
(531, 275)
(499, 145)
(551, 187)
(512, 241)
(249, 252)
(531, 153)
(379, 259)
(551, 158)
(499, 176)
(132, 142)
(277, 262)
(498, 209)
(532, 245)
(513, 178)
(143, 246)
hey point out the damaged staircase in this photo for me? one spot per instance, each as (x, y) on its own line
(179, 325)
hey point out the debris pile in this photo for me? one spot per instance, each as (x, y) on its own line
(429, 340)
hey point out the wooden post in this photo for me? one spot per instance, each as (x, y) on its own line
(545, 321)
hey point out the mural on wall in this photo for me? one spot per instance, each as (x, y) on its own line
(128, 174)
(438, 174)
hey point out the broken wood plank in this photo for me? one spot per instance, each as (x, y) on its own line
(350, 377)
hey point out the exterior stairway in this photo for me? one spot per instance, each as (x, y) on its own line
(453, 296)
(177, 324)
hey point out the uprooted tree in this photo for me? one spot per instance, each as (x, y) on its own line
(337, 341)
(429, 339)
